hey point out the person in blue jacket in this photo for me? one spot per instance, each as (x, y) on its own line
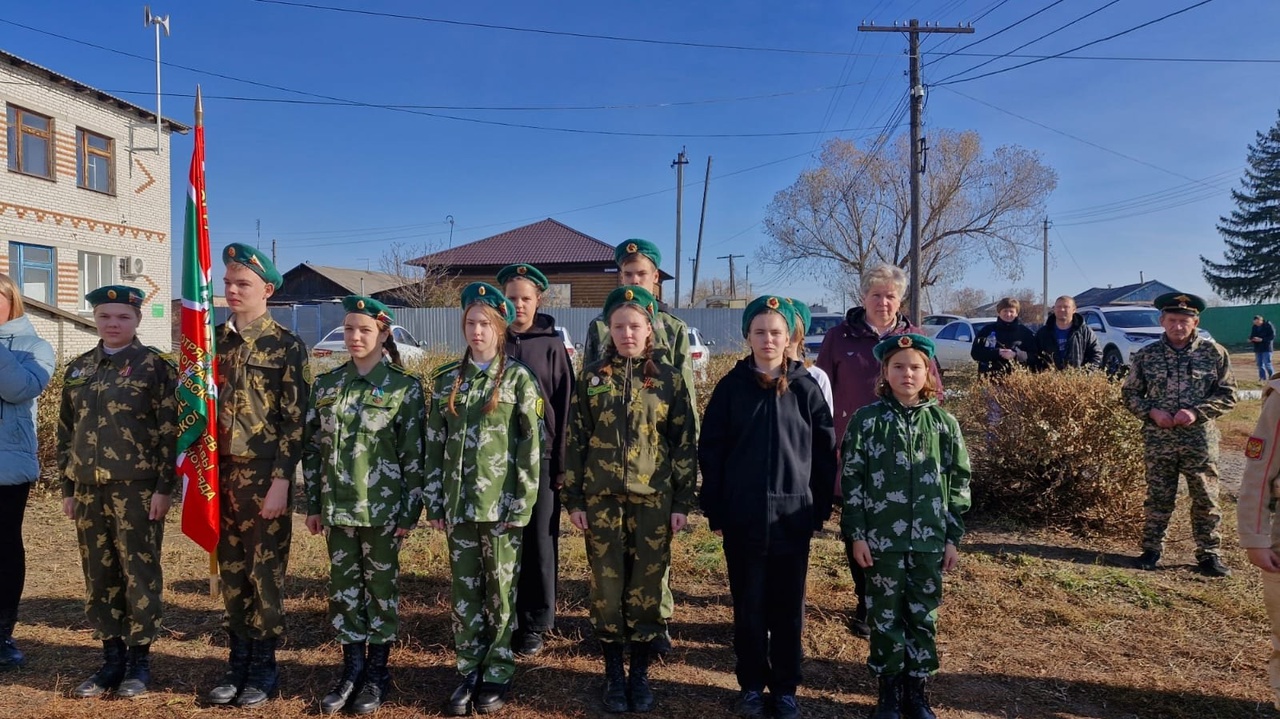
(26, 364)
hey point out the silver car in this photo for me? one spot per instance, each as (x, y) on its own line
(954, 342)
(333, 346)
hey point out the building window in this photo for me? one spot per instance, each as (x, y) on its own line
(95, 271)
(30, 143)
(35, 271)
(95, 166)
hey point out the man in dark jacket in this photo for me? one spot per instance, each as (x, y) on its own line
(1005, 343)
(1065, 340)
(1262, 335)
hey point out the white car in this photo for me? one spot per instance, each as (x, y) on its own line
(568, 343)
(819, 325)
(332, 345)
(1121, 329)
(954, 342)
(932, 323)
(699, 350)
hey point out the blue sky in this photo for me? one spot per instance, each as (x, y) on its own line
(338, 184)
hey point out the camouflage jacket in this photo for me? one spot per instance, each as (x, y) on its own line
(670, 339)
(483, 467)
(118, 419)
(1196, 377)
(905, 477)
(263, 378)
(629, 434)
(362, 447)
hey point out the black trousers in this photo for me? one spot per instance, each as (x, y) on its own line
(859, 581)
(536, 592)
(768, 615)
(13, 556)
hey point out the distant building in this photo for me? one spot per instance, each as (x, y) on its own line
(85, 201)
(1142, 293)
(579, 268)
(309, 284)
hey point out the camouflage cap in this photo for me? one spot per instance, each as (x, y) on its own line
(250, 257)
(637, 247)
(1180, 303)
(368, 306)
(767, 303)
(485, 293)
(528, 272)
(889, 345)
(631, 295)
(120, 294)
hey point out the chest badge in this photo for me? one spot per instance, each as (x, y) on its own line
(128, 370)
(595, 381)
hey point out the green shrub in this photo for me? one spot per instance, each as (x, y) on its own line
(47, 407)
(1061, 452)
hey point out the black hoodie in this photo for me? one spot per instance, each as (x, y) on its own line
(1001, 335)
(768, 462)
(542, 350)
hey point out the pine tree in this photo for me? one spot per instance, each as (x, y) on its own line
(1251, 271)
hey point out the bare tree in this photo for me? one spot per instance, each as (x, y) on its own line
(424, 285)
(717, 287)
(965, 300)
(853, 211)
(1030, 309)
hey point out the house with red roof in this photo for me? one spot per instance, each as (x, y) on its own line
(579, 268)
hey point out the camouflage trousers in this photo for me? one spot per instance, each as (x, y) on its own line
(120, 554)
(1190, 452)
(903, 593)
(364, 575)
(484, 560)
(253, 552)
(1271, 598)
(629, 550)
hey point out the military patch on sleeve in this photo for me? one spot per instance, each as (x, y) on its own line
(597, 389)
(1253, 448)
(540, 408)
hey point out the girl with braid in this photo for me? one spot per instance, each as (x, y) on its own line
(483, 454)
(629, 486)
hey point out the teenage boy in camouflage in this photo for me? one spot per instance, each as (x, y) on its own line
(483, 454)
(362, 466)
(117, 429)
(629, 486)
(1177, 385)
(263, 380)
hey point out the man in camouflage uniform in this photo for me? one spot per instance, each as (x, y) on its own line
(639, 263)
(117, 429)
(263, 380)
(1177, 386)
(483, 459)
(629, 485)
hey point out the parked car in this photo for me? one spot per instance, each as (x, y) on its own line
(333, 346)
(568, 345)
(1121, 329)
(954, 342)
(699, 350)
(819, 324)
(932, 323)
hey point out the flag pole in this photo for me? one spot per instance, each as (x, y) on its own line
(214, 589)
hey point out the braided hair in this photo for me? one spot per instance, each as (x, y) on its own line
(389, 346)
(500, 332)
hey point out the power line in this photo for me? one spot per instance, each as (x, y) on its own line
(997, 33)
(1125, 58)
(1063, 244)
(1185, 192)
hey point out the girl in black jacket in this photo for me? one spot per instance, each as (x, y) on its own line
(768, 461)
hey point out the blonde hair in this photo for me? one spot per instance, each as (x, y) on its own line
(500, 330)
(928, 391)
(10, 290)
(883, 275)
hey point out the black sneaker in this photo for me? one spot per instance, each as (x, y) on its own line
(11, 657)
(787, 707)
(661, 644)
(1212, 566)
(749, 705)
(1148, 560)
(859, 628)
(527, 644)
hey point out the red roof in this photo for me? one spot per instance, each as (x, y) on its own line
(546, 242)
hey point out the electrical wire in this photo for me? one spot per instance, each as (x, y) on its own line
(1001, 31)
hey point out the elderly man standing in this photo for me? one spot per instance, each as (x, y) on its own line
(1177, 386)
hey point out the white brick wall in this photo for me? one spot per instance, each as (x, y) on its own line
(134, 222)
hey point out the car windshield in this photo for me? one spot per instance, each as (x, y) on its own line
(1138, 317)
(334, 336)
(820, 325)
(980, 326)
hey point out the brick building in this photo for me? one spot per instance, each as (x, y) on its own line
(84, 201)
(579, 267)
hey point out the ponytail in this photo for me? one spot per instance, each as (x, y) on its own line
(501, 359)
(457, 380)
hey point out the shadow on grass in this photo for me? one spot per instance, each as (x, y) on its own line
(1075, 555)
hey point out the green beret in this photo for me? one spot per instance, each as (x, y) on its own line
(528, 272)
(118, 294)
(1180, 303)
(637, 247)
(261, 265)
(631, 295)
(802, 313)
(764, 303)
(889, 345)
(368, 306)
(489, 295)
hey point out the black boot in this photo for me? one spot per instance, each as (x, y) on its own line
(11, 657)
(460, 701)
(237, 669)
(352, 675)
(890, 702)
(915, 703)
(638, 681)
(109, 676)
(490, 697)
(263, 679)
(615, 679)
(377, 681)
(137, 674)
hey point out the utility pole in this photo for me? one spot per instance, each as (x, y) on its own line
(159, 22)
(1045, 295)
(733, 287)
(273, 251)
(913, 30)
(702, 221)
(678, 163)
